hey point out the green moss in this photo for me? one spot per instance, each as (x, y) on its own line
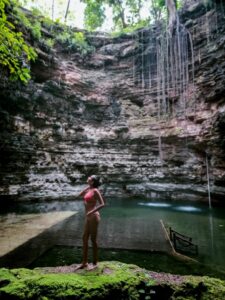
(6, 276)
(30, 284)
(111, 280)
(154, 261)
(204, 288)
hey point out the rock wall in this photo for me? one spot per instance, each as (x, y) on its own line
(96, 114)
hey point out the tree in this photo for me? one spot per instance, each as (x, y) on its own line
(157, 7)
(124, 12)
(67, 10)
(172, 12)
(94, 14)
(135, 9)
(53, 10)
(118, 12)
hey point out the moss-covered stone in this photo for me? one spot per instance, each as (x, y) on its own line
(111, 280)
(108, 281)
(204, 288)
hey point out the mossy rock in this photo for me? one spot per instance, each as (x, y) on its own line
(111, 280)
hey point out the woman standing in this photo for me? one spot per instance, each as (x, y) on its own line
(93, 201)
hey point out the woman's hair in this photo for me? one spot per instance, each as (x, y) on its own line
(96, 181)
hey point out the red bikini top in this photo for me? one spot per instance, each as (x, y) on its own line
(89, 195)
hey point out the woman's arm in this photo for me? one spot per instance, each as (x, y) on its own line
(101, 201)
(81, 194)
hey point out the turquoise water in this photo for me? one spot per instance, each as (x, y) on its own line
(205, 226)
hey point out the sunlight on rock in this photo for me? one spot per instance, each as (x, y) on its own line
(18, 229)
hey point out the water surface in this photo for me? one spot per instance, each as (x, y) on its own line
(133, 217)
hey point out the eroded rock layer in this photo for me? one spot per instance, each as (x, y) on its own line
(103, 114)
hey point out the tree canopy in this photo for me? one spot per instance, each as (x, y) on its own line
(125, 13)
(15, 53)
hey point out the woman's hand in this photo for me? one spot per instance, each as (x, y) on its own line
(95, 209)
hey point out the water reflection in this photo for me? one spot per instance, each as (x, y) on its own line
(187, 208)
(154, 204)
(206, 226)
(42, 207)
(184, 208)
(211, 227)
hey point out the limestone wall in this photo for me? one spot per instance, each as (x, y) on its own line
(99, 114)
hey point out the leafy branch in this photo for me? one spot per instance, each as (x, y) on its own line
(15, 53)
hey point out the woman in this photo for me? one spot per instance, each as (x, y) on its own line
(91, 196)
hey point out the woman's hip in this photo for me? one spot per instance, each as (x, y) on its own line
(94, 217)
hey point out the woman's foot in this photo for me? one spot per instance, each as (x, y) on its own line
(81, 266)
(92, 267)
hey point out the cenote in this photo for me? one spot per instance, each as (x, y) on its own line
(126, 233)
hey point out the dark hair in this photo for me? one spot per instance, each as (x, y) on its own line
(96, 181)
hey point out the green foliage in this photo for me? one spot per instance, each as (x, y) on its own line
(125, 13)
(49, 42)
(131, 28)
(63, 37)
(36, 12)
(94, 14)
(78, 39)
(36, 30)
(179, 3)
(74, 41)
(135, 7)
(48, 23)
(14, 52)
(33, 25)
(158, 8)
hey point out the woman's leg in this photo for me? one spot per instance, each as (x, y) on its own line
(93, 232)
(86, 234)
(85, 242)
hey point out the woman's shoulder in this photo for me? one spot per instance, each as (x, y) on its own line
(96, 191)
